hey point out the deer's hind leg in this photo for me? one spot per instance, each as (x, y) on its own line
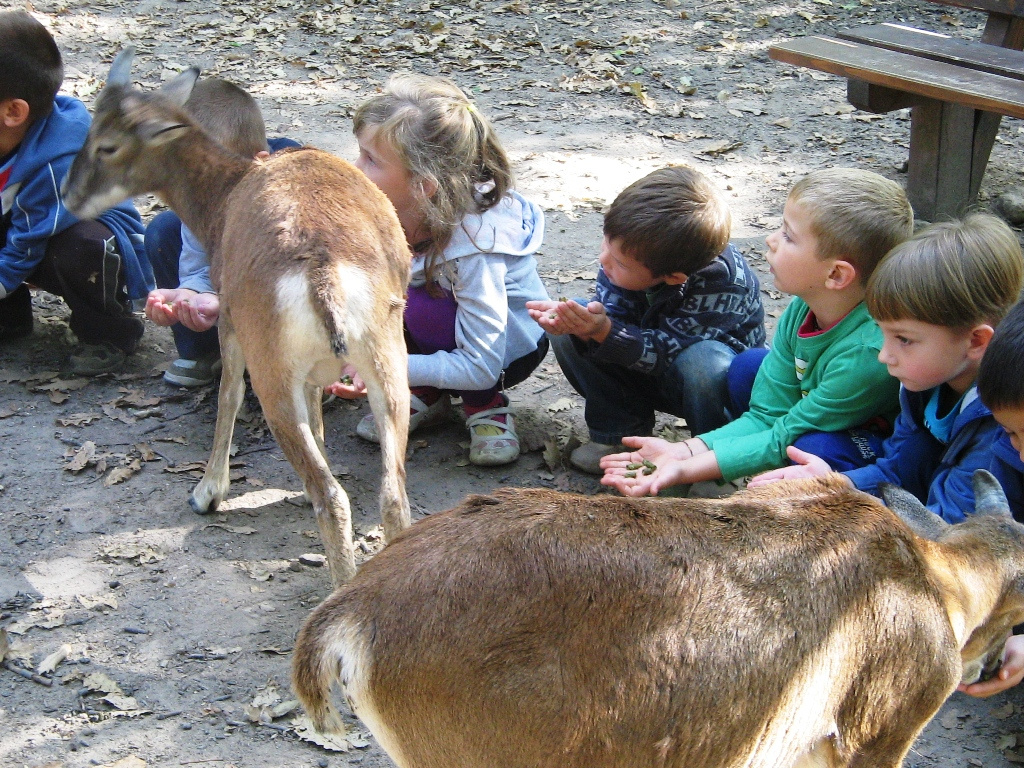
(383, 362)
(297, 426)
(213, 488)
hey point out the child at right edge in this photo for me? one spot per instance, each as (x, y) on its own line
(1001, 387)
(821, 381)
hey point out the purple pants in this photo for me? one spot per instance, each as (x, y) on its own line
(430, 327)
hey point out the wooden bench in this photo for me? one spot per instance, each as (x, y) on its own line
(957, 92)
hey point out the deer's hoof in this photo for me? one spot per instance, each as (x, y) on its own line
(203, 503)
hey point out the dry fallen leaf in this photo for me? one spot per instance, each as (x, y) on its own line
(132, 550)
(120, 474)
(561, 404)
(49, 664)
(82, 458)
(242, 529)
(335, 742)
(126, 762)
(100, 681)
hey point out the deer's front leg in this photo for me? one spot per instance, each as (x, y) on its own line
(213, 488)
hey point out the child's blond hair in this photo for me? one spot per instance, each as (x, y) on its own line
(953, 274)
(855, 215)
(440, 136)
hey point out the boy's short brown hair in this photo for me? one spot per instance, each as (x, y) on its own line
(671, 220)
(30, 64)
(229, 115)
(954, 274)
(855, 215)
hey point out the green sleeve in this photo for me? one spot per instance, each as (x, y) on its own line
(854, 388)
(776, 387)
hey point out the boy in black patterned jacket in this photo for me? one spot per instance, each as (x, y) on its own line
(675, 302)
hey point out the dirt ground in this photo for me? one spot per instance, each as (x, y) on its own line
(171, 632)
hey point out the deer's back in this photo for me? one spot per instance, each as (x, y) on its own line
(302, 209)
(626, 631)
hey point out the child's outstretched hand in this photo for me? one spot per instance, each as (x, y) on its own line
(656, 464)
(562, 317)
(1009, 674)
(160, 306)
(350, 386)
(196, 311)
(806, 465)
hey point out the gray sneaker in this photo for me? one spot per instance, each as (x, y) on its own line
(194, 373)
(587, 458)
(94, 359)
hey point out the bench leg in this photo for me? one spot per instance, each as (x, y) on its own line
(949, 149)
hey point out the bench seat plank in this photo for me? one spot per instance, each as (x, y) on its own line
(1005, 7)
(900, 71)
(932, 45)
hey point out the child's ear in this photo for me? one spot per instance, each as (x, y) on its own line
(676, 278)
(981, 335)
(428, 187)
(14, 112)
(843, 275)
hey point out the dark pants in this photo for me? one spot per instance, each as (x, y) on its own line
(163, 246)
(843, 450)
(83, 266)
(621, 402)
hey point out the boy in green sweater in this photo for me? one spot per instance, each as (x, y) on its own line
(822, 375)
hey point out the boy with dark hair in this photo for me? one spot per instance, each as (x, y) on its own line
(675, 302)
(98, 267)
(1001, 388)
(185, 298)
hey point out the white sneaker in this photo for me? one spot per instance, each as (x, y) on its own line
(420, 415)
(492, 442)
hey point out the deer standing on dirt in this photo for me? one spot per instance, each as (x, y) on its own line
(801, 624)
(311, 264)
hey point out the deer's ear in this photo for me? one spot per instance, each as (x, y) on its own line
(121, 69)
(989, 498)
(921, 520)
(180, 88)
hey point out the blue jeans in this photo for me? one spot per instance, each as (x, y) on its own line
(843, 450)
(621, 402)
(163, 246)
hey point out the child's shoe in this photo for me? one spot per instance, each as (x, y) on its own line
(492, 437)
(194, 373)
(420, 415)
(95, 359)
(587, 458)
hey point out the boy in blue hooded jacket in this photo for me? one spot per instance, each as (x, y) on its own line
(98, 267)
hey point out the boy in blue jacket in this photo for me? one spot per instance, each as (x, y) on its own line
(937, 298)
(675, 303)
(1001, 386)
(98, 267)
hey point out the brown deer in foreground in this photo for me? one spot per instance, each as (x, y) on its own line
(311, 265)
(802, 624)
